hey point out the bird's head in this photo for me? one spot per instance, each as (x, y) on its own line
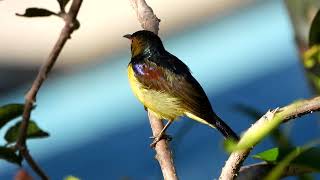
(144, 43)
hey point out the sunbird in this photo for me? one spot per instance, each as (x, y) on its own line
(166, 87)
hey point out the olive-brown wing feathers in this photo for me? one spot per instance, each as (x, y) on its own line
(173, 77)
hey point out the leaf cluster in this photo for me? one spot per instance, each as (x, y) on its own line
(10, 113)
(41, 12)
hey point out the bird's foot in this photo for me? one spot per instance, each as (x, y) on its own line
(156, 139)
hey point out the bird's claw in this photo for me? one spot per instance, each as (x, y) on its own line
(156, 139)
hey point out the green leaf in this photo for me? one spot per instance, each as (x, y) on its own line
(276, 172)
(314, 34)
(33, 132)
(302, 156)
(10, 155)
(36, 12)
(270, 155)
(9, 112)
(63, 3)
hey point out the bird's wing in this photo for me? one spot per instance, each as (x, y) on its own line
(172, 76)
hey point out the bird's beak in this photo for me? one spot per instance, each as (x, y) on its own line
(127, 36)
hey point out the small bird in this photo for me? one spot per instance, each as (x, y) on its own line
(166, 87)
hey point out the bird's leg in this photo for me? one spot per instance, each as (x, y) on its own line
(161, 135)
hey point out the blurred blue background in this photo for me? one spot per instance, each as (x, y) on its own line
(98, 130)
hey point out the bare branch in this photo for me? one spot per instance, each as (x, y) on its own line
(259, 170)
(163, 151)
(70, 25)
(284, 114)
(149, 21)
(300, 108)
(233, 164)
(32, 163)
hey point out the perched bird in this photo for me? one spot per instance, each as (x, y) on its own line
(166, 87)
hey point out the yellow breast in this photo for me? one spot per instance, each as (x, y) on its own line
(163, 104)
(135, 85)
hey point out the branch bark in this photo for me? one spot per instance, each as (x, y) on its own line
(149, 21)
(146, 17)
(284, 114)
(163, 155)
(233, 164)
(71, 24)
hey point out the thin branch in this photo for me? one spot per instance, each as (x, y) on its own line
(70, 25)
(149, 21)
(146, 17)
(300, 108)
(284, 114)
(259, 171)
(233, 164)
(163, 151)
(32, 163)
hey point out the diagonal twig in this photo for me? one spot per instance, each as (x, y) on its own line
(70, 25)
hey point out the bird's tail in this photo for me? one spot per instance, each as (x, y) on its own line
(216, 122)
(224, 129)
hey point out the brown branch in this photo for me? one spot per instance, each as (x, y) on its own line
(233, 164)
(300, 108)
(260, 170)
(146, 17)
(292, 111)
(163, 151)
(149, 21)
(70, 25)
(36, 168)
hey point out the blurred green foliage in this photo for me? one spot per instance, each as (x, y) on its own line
(305, 157)
(33, 132)
(311, 57)
(9, 113)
